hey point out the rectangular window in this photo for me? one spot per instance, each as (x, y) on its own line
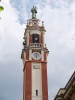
(35, 38)
(36, 92)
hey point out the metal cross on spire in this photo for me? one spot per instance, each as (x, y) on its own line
(34, 11)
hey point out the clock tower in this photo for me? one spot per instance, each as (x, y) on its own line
(34, 56)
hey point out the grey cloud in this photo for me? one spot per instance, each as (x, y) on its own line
(11, 79)
(61, 59)
(24, 6)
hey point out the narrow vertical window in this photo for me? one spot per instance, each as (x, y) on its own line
(36, 92)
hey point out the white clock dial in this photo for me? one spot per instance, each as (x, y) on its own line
(36, 55)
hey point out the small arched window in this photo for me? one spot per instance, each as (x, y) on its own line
(35, 38)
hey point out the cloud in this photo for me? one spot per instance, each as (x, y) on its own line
(11, 35)
(59, 21)
(10, 29)
(60, 39)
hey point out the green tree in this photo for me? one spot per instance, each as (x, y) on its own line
(1, 7)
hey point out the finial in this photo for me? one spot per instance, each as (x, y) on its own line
(27, 22)
(42, 23)
(34, 11)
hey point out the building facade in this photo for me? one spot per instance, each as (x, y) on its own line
(34, 56)
(67, 93)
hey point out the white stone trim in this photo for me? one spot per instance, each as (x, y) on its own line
(42, 55)
(35, 32)
(27, 39)
(36, 81)
(43, 41)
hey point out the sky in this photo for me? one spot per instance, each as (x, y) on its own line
(59, 22)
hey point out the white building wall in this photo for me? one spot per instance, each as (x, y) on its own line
(36, 81)
(42, 55)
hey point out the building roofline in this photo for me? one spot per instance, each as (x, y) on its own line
(70, 80)
(58, 93)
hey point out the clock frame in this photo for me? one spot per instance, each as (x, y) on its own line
(36, 55)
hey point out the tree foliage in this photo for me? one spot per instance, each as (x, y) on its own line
(1, 8)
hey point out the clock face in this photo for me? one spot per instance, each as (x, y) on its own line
(36, 55)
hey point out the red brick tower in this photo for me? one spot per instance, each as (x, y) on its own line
(34, 56)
